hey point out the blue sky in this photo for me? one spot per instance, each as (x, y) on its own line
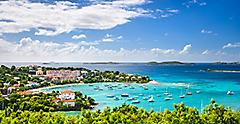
(120, 30)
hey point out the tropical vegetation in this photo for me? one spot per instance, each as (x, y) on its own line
(128, 114)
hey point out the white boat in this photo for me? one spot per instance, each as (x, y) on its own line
(132, 87)
(145, 98)
(151, 99)
(129, 99)
(145, 88)
(124, 95)
(168, 98)
(110, 96)
(189, 93)
(140, 94)
(166, 92)
(135, 101)
(198, 91)
(182, 95)
(230, 92)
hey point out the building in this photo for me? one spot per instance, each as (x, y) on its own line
(62, 74)
(39, 71)
(67, 95)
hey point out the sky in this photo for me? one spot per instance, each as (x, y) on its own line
(119, 30)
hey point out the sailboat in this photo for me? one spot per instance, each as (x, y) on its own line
(166, 92)
(230, 92)
(151, 99)
(182, 95)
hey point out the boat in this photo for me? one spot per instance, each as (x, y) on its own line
(100, 89)
(90, 85)
(135, 101)
(158, 95)
(166, 92)
(116, 98)
(129, 99)
(110, 96)
(140, 94)
(189, 93)
(126, 85)
(230, 92)
(124, 95)
(132, 87)
(182, 95)
(168, 98)
(145, 88)
(151, 99)
(198, 91)
(145, 98)
(96, 88)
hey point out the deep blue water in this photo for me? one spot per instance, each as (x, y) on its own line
(211, 85)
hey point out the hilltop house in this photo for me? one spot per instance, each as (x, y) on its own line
(67, 97)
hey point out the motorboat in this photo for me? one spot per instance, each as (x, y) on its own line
(167, 98)
(230, 92)
(124, 95)
(130, 99)
(189, 93)
(198, 91)
(140, 94)
(110, 96)
(135, 101)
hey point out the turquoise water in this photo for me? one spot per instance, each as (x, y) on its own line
(211, 85)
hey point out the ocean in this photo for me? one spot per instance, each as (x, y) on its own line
(210, 84)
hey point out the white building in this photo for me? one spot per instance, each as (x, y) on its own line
(67, 95)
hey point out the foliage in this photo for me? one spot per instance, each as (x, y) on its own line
(127, 114)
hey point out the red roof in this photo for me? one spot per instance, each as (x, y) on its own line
(70, 100)
(67, 92)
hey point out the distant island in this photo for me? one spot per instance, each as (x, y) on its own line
(101, 63)
(233, 63)
(219, 70)
(168, 63)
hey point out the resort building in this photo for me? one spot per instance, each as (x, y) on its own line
(62, 74)
(67, 95)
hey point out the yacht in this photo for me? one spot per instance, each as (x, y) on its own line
(198, 91)
(135, 101)
(168, 98)
(140, 94)
(124, 95)
(230, 92)
(110, 96)
(151, 99)
(129, 99)
(182, 95)
(189, 93)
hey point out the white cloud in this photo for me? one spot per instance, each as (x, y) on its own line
(110, 38)
(80, 36)
(190, 3)
(28, 49)
(205, 52)
(166, 12)
(232, 45)
(65, 16)
(186, 49)
(162, 51)
(203, 31)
